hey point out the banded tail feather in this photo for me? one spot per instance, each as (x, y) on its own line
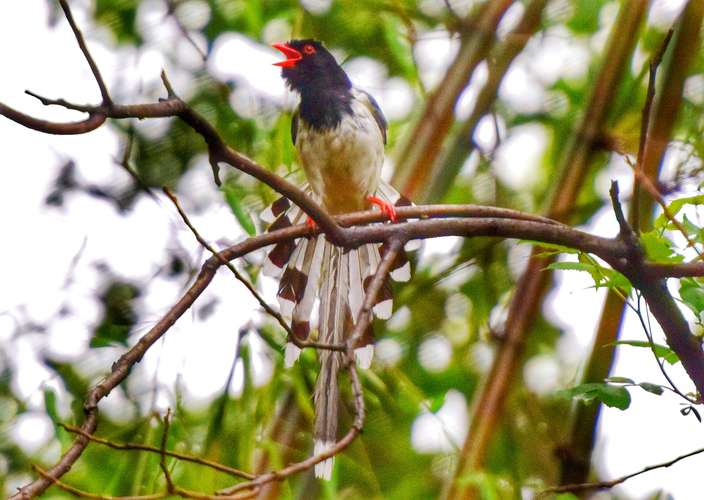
(313, 269)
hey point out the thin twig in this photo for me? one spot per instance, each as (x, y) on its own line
(637, 309)
(654, 193)
(84, 494)
(274, 314)
(380, 276)
(143, 447)
(124, 162)
(107, 101)
(170, 488)
(171, 12)
(613, 482)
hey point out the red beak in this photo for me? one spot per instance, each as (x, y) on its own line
(292, 54)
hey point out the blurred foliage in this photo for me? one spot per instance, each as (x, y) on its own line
(460, 297)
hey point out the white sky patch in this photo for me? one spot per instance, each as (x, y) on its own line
(694, 89)
(435, 353)
(521, 90)
(236, 57)
(556, 55)
(32, 431)
(387, 352)
(468, 98)
(485, 133)
(519, 156)
(194, 14)
(276, 30)
(443, 431)
(510, 19)
(662, 13)
(434, 52)
(316, 7)
(542, 374)
(396, 98)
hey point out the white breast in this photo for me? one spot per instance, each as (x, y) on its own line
(343, 164)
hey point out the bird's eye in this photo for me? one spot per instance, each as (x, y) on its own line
(309, 49)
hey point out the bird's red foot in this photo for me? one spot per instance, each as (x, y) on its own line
(386, 207)
(311, 224)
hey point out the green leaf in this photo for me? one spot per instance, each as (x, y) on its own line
(233, 196)
(571, 266)
(119, 315)
(437, 402)
(692, 294)
(652, 388)
(658, 248)
(50, 405)
(619, 380)
(53, 413)
(552, 247)
(611, 395)
(661, 351)
(677, 205)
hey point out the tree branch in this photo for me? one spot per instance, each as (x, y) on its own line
(143, 447)
(613, 482)
(107, 101)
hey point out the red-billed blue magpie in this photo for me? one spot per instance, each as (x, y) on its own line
(339, 133)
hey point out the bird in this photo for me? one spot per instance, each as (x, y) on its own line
(339, 133)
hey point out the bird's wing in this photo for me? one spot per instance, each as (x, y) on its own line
(368, 100)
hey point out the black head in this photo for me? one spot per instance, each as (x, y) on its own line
(309, 67)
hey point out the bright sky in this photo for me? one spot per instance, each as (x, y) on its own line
(41, 243)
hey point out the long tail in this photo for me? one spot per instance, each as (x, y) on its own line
(338, 278)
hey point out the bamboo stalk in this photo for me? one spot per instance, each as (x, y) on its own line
(424, 143)
(489, 402)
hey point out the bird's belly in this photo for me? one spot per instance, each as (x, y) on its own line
(342, 164)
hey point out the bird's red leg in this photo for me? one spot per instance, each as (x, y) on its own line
(386, 207)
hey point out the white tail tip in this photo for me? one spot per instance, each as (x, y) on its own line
(291, 353)
(323, 469)
(364, 356)
(270, 269)
(286, 307)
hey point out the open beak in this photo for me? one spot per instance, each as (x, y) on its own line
(292, 55)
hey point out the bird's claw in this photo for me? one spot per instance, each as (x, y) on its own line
(311, 224)
(386, 208)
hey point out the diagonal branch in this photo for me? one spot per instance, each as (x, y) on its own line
(107, 101)
(375, 285)
(143, 447)
(269, 310)
(599, 485)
